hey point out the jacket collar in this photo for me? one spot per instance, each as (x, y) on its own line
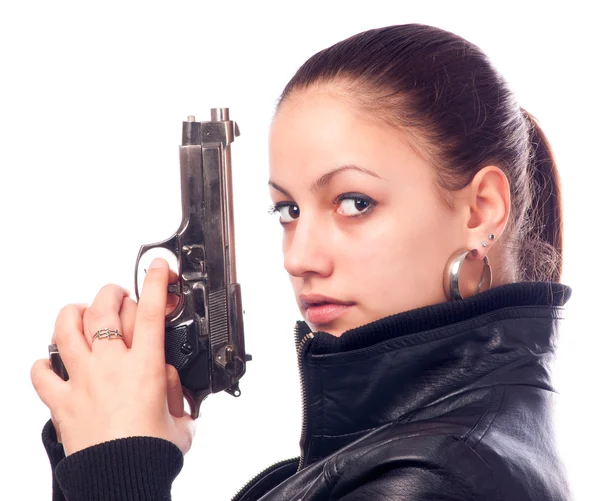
(394, 367)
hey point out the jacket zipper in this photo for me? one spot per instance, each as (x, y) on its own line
(300, 347)
(263, 473)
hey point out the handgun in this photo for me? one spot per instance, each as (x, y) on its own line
(204, 334)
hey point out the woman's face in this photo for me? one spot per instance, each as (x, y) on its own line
(365, 234)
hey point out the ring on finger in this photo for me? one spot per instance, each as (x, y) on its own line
(106, 333)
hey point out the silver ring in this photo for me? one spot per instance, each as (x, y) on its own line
(106, 333)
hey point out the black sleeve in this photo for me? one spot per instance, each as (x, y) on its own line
(55, 453)
(135, 468)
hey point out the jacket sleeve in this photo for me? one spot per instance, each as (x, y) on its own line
(124, 469)
(55, 453)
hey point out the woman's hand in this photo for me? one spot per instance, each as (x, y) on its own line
(117, 387)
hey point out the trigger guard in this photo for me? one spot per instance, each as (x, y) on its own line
(171, 244)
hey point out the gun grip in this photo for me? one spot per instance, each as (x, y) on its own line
(189, 353)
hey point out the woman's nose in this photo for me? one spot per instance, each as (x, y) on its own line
(306, 250)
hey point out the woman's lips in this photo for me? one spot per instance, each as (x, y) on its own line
(325, 313)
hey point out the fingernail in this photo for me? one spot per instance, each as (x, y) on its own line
(158, 263)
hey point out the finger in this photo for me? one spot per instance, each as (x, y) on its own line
(127, 314)
(129, 308)
(173, 277)
(50, 388)
(103, 313)
(174, 392)
(149, 331)
(81, 307)
(68, 337)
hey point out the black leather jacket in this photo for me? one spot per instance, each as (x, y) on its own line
(447, 402)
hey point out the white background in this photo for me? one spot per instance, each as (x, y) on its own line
(92, 96)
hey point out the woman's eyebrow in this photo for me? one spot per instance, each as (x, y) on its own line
(326, 178)
(279, 188)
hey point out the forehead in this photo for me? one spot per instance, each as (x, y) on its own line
(320, 128)
(318, 120)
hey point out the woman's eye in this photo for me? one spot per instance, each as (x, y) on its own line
(287, 212)
(354, 204)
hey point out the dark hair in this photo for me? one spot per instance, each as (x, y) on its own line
(459, 112)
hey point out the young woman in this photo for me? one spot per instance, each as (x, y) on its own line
(405, 175)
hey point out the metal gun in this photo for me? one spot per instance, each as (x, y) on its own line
(204, 335)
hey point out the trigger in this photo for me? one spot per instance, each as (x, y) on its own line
(173, 288)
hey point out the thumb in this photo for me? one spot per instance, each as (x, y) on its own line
(56, 428)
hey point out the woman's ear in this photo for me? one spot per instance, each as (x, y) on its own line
(488, 198)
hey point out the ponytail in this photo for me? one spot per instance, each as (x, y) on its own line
(541, 253)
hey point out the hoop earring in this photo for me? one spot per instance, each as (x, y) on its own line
(452, 275)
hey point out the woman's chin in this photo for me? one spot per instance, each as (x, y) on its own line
(337, 332)
(336, 327)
